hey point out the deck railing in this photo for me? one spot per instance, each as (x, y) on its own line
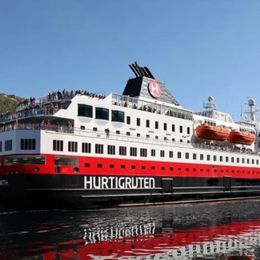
(153, 107)
(57, 129)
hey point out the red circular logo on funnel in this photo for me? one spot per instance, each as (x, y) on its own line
(154, 89)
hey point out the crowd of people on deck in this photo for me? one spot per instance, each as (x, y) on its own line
(58, 95)
(33, 106)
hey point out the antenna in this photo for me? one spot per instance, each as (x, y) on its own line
(253, 109)
(210, 105)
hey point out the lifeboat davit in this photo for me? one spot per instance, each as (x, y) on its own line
(241, 137)
(212, 132)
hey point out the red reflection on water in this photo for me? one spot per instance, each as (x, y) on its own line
(202, 241)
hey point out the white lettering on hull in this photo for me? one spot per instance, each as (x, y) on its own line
(114, 183)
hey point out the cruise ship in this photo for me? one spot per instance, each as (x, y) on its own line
(79, 149)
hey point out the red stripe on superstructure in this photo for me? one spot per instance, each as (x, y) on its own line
(131, 167)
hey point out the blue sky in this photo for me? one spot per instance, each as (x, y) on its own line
(198, 48)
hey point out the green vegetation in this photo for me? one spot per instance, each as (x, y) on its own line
(8, 103)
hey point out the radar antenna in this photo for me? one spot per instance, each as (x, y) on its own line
(210, 105)
(253, 109)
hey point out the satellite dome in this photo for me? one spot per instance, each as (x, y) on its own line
(210, 98)
(251, 102)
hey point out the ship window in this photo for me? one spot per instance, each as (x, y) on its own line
(156, 125)
(220, 158)
(99, 165)
(188, 130)
(187, 155)
(111, 149)
(128, 120)
(111, 166)
(152, 167)
(128, 133)
(181, 129)
(148, 123)
(243, 160)
(118, 116)
(133, 151)
(232, 159)
(156, 137)
(165, 126)
(133, 167)
(201, 157)
(238, 160)
(171, 154)
(253, 161)
(226, 158)
(162, 153)
(73, 146)
(162, 168)
(18, 160)
(8, 145)
(57, 145)
(179, 155)
(208, 157)
(27, 144)
(143, 167)
(86, 147)
(147, 136)
(247, 161)
(138, 135)
(173, 128)
(153, 152)
(59, 160)
(122, 166)
(194, 156)
(171, 168)
(122, 150)
(138, 121)
(85, 110)
(0, 147)
(99, 148)
(257, 162)
(94, 129)
(82, 127)
(102, 113)
(214, 158)
(87, 164)
(143, 152)
(117, 132)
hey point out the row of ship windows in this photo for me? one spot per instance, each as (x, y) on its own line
(143, 152)
(65, 161)
(25, 144)
(119, 116)
(156, 125)
(30, 144)
(179, 169)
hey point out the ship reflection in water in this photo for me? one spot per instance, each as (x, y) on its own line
(226, 230)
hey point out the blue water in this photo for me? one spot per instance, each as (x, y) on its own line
(223, 230)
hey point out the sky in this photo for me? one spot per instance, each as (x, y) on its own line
(199, 48)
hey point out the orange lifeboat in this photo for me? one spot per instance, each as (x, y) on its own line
(212, 132)
(241, 137)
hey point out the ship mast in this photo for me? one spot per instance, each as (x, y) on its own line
(253, 109)
(210, 105)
